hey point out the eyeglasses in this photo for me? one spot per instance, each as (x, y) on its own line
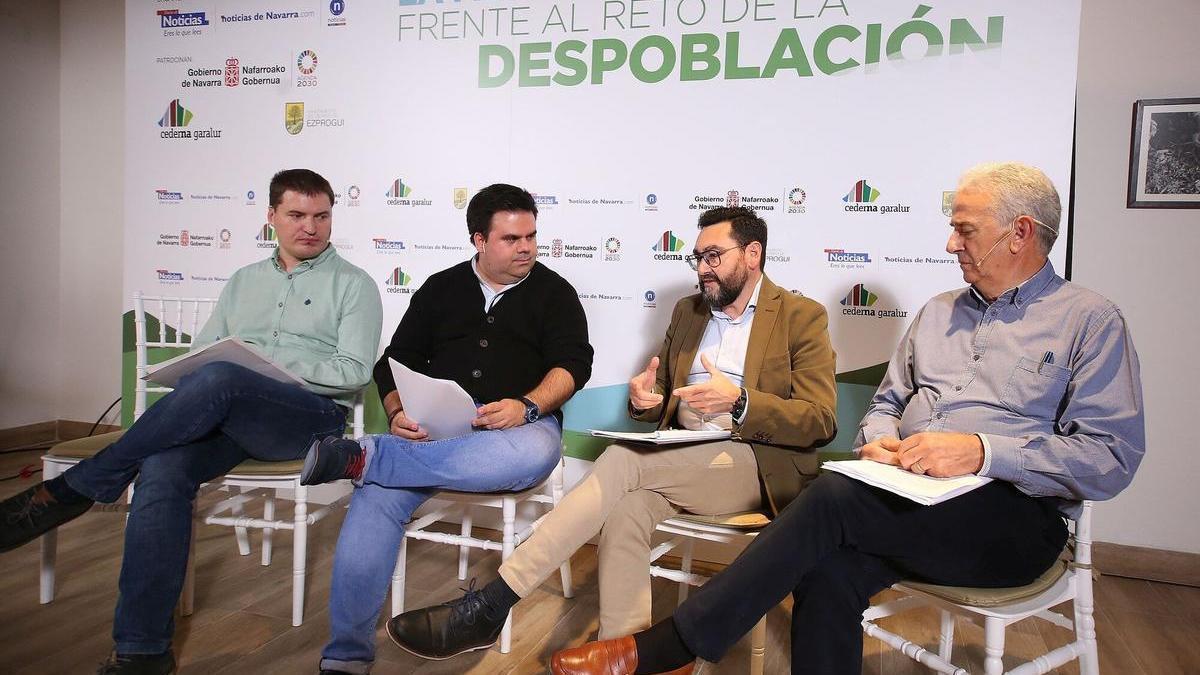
(712, 258)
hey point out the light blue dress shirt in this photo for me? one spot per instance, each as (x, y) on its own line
(1047, 375)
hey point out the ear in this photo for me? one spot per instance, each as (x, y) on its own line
(479, 241)
(1024, 234)
(754, 251)
(271, 215)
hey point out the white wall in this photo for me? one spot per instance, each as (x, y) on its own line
(30, 344)
(1143, 259)
(93, 198)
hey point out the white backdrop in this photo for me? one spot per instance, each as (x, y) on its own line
(621, 134)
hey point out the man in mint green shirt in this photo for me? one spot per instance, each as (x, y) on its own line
(310, 311)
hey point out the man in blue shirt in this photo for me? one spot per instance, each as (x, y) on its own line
(1022, 377)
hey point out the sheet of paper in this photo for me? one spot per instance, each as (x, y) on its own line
(230, 349)
(664, 436)
(919, 488)
(441, 407)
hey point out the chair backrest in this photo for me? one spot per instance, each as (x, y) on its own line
(179, 319)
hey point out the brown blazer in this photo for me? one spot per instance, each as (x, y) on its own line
(792, 407)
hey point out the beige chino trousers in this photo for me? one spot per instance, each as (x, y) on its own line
(629, 491)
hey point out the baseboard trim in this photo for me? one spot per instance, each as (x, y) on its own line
(1152, 564)
(45, 433)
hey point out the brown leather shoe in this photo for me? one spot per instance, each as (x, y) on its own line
(606, 657)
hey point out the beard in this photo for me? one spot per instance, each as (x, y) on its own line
(727, 290)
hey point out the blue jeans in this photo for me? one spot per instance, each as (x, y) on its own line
(399, 477)
(219, 416)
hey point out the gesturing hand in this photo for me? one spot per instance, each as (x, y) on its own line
(713, 397)
(641, 388)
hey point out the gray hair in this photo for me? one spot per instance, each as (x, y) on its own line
(1018, 190)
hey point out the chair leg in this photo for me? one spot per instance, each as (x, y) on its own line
(993, 639)
(686, 566)
(187, 600)
(510, 529)
(1085, 625)
(238, 510)
(946, 639)
(49, 545)
(268, 533)
(398, 578)
(758, 646)
(464, 550)
(556, 495)
(299, 552)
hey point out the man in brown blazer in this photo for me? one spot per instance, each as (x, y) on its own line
(742, 355)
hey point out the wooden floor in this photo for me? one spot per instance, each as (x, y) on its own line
(242, 619)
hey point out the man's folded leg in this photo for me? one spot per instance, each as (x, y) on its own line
(484, 461)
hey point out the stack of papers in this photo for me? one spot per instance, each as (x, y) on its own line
(664, 436)
(921, 489)
(442, 407)
(231, 350)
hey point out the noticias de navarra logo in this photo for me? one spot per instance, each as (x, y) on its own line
(699, 56)
(837, 255)
(173, 18)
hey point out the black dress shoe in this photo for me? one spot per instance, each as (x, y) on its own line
(450, 629)
(333, 458)
(138, 664)
(25, 518)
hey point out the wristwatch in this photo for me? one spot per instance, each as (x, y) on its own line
(739, 406)
(532, 412)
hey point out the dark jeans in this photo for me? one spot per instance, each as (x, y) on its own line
(219, 416)
(842, 541)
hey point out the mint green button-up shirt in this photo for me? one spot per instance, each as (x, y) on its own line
(321, 321)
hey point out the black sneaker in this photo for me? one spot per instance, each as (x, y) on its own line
(25, 519)
(333, 458)
(138, 664)
(447, 630)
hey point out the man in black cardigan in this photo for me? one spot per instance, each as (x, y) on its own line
(512, 333)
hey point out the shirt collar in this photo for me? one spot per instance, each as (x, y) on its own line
(1023, 292)
(304, 265)
(749, 305)
(475, 269)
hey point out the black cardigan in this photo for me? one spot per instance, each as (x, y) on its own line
(504, 353)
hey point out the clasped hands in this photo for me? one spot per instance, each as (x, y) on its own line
(940, 454)
(503, 414)
(713, 397)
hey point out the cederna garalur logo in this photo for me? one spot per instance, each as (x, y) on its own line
(861, 301)
(175, 120)
(862, 197)
(398, 282)
(668, 247)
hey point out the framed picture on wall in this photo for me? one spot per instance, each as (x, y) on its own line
(1164, 154)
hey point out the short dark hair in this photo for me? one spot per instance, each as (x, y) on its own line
(493, 199)
(304, 181)
(747, 226)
